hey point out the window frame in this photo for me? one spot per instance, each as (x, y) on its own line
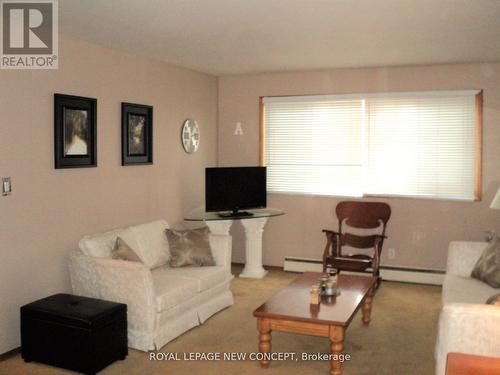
(478, 147)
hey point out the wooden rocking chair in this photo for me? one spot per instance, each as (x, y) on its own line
(361, 215)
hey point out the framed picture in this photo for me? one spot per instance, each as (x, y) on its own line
(137, 134)
(75, 131)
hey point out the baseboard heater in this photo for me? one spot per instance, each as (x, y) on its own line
(390, 273)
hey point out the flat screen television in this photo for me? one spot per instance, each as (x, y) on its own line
(234, 189)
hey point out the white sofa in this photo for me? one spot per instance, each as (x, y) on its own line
(163, 302)
(466, 324)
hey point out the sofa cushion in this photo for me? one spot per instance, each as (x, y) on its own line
(170, 290)
(205, 277)
(101, 245)
(465, 290)
(487, 268)
(202, 277)
(153, 245)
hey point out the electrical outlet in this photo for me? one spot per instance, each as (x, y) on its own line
(391, 253)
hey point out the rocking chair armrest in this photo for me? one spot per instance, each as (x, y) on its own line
(329, 231)
(331, 243)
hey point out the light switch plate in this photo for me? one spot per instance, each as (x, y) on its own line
(6, 186)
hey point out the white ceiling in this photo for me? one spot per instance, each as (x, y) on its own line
(242, 36)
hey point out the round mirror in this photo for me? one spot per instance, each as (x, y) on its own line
(190, 136)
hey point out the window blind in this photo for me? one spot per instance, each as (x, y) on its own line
(403, 144)
(313, 146)
(421, 146)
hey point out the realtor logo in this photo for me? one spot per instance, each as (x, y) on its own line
(29, 34)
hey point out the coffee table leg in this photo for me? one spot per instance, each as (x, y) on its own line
(337, 347)
(264, 339)
(366, 309)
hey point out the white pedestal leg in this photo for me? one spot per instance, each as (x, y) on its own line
(220, 227)
(253, 233)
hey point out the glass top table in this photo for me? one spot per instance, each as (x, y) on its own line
(254, 228)
(199, 215)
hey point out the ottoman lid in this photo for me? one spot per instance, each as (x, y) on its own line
(74, 310)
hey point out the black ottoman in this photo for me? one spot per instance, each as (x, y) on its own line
(77, 333)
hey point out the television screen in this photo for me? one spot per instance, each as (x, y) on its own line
(235, 188)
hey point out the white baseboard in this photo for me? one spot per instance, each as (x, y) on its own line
(390, 273)
(293, 264)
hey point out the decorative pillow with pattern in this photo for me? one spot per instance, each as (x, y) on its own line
(487, 268)
(124, 252)
(189, 247)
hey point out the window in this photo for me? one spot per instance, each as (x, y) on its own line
(403, 144)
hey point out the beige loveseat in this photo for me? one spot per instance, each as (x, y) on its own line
(466, 324)
(163, 302)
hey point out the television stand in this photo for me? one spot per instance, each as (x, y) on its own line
(235, 214)
(254, 228)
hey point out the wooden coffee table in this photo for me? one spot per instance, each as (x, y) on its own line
(289, 311)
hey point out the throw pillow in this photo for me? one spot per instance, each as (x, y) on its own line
(487, 268)
(152, 246)
(124, 252)
(189, 247)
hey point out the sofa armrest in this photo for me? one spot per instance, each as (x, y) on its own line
(118, 281)
(221, 246)
(82, 275)
(462, 256)
(467, 328)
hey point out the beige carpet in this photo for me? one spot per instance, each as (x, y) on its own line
(399, 340)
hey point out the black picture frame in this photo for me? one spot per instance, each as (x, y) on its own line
(75, 131)
(137, 134)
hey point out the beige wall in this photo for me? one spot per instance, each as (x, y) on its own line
(419, 230)
(50, 210)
